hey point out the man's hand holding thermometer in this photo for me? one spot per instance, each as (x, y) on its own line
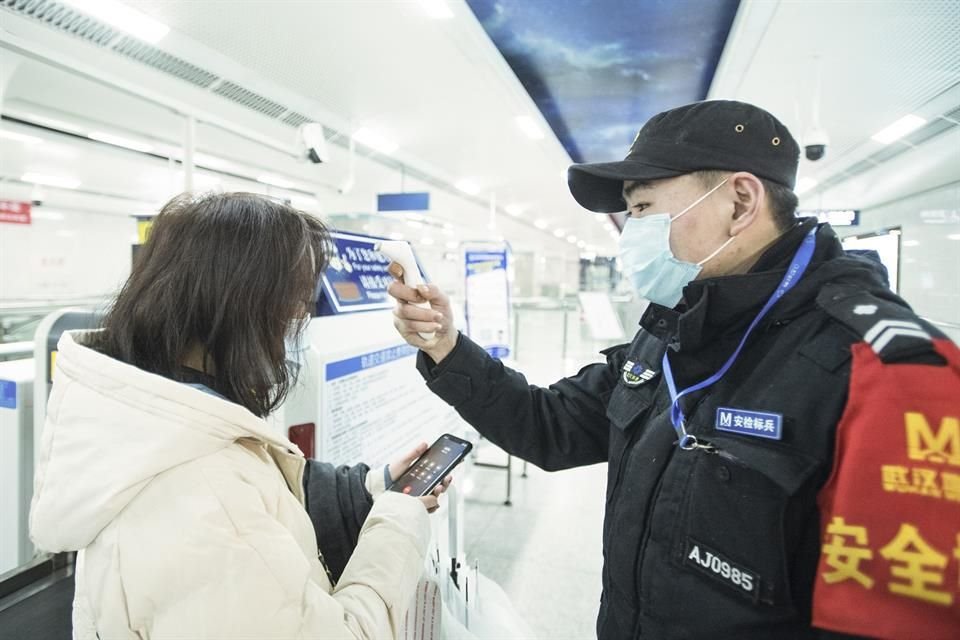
(423, 317)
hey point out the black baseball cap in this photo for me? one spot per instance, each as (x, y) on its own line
(712, 135)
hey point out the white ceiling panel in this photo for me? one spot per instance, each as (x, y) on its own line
(875, 61)
(439, 88)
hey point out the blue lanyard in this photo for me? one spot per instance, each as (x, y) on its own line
(801, 260)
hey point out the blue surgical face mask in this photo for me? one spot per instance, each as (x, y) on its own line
(657, 274)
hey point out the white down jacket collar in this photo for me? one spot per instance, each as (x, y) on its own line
(97, 455)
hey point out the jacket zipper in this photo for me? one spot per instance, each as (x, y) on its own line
(638, 561)
(627, 451)
(628, 448)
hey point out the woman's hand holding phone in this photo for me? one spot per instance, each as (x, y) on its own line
(398, 466)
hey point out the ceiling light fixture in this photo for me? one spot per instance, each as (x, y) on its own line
(560, 233)
(276, 181)
(529, 127)
(41, 213)
(63, 182)
(540, 224)
(572, 239)
(50, 123)
(211, 162)
(20, 137)
(426, 241)
(514, 209)
(437, 9)
(375, 140)
(468, 187)
(898, 129)
(120, 141)
(119, 15)
(304, 203)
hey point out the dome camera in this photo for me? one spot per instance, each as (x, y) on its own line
(313, 143)
(815, 144)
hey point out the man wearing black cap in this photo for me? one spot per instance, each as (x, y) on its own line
(780, 432)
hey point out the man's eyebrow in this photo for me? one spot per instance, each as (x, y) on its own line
(635, 185)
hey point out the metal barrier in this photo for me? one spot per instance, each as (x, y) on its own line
(16, 350)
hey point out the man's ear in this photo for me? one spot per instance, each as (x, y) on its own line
(749, 196)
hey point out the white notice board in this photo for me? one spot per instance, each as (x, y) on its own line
(488, 299)
(371, 404)
(375, 405)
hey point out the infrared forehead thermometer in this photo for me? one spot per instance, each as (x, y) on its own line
(400, 252)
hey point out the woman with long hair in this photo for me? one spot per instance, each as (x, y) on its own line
(157, 465)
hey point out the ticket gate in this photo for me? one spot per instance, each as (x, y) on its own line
(36, 590)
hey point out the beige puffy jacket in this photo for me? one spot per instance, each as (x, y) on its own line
(188, 515)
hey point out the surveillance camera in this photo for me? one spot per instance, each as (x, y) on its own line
(313, 142)
(815, 144)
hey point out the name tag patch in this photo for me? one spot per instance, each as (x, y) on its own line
(750, 423)
(736, 576)
(637, 373)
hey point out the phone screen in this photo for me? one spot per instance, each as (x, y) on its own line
(432, 467)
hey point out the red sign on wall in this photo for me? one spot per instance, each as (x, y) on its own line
(14, 212)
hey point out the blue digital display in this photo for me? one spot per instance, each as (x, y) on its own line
(599, 70)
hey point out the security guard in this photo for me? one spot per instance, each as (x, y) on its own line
(782, 434)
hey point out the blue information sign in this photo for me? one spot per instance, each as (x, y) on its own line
(485, 261)
(356, 278)
(403, 201)
(370, 360)
(8, 394)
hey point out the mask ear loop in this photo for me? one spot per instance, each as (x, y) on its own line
(719, 249)
(699, 200)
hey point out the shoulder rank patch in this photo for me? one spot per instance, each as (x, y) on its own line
(885, 331)
(637, 373)
(887, 324)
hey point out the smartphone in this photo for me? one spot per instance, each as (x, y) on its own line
(432, 467)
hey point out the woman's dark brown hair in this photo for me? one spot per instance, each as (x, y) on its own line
(225, 273)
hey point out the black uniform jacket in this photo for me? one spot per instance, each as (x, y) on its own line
(699, 544)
